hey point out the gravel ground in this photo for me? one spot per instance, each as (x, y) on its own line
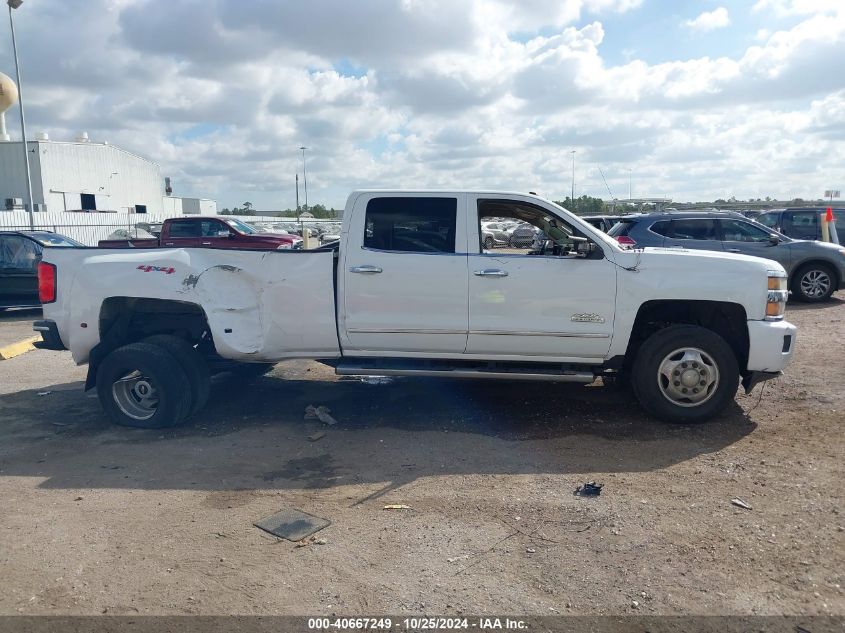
(102, 519)
(16, 325)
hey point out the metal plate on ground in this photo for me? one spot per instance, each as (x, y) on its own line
(292, 524)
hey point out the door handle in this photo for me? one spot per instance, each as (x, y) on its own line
(734, 250)
(365, 270)
(168, 243)
(490, 272)
(206, 243)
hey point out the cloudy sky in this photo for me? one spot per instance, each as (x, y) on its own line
(694, 100)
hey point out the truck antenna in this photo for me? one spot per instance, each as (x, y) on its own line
(605, 183)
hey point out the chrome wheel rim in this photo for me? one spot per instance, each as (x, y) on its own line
(688, 377)
(135, 396)
(815, 283)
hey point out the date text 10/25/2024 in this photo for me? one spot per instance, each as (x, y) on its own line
(416, 624)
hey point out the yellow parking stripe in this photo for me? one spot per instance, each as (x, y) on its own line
(16, 349)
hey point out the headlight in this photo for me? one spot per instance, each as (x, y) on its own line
(777, 295)
(284, 247)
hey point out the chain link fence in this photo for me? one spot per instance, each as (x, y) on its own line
(90, 228)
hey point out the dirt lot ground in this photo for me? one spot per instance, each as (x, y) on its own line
(101, 519)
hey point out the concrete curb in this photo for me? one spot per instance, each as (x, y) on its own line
(16, 349)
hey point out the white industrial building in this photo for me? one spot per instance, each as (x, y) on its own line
(81, 175)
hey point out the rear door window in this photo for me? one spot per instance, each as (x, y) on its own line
(185, 228)
(411, 225)
(694, 230)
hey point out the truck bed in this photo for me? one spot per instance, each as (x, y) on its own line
(262, 305)
(135, 243)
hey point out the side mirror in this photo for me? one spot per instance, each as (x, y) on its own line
(774, 240)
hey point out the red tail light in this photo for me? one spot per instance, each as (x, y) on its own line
(46, 282)
(624, 240)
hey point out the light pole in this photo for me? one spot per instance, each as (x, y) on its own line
(304, 176)
(572, 196)
(14, 4)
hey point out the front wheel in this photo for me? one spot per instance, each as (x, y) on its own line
(488, 242)
(813, 283)
(143, 385)
(685, 373)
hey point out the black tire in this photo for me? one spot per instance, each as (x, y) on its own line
(161, 371)
(654, 391)
(813, 283)
(191, 362)
(488, 242)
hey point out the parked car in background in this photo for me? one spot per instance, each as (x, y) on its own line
(209, 232)
(331, 233)
(500, 232)
(523, 235)
(602, 222)
(20, 252)
(154, 228)
(802, 224)
(136, 233)
(816, 269)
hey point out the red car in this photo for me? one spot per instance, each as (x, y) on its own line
(209, 232)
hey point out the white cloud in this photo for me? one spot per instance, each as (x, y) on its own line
(710, 20)
(430, 93)
(797, 7)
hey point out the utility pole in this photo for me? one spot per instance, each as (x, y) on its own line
(14, 4)
(304, 176)
(297, 198)
(572, 196)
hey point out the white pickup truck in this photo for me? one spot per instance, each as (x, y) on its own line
(408, 290)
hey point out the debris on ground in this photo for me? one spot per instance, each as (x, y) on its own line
(292, 524)
(321, 413)
(397, 506)
(455, 559)
(740, 503)
(316, 436)
(589, 489)
(530, 550)
(311, 541)
(44, 393)
(78, 499)
(377, 380)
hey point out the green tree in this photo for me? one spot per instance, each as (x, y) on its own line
(585, 205)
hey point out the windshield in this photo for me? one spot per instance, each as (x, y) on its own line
(51, 239)
(243, 227)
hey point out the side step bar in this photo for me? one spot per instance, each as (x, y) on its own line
(345, 368)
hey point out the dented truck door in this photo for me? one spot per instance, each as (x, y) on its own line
(266, 306)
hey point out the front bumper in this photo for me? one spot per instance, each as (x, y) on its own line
(50, 338)
(770, 345)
